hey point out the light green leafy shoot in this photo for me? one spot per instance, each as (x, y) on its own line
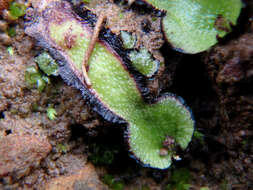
(62, 148)
(199, 136)
(102, 155)
(10, 50)
(128, 40)
(143, 62)
(179, 180)
(12, 31)
(51, 113)
(204, 188)
(113, 183)
(17, 10)
(34, 78)
(47, 64)
(86, 1)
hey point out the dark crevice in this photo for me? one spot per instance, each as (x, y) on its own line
(8, 131)
(78, 131)
(2, 116)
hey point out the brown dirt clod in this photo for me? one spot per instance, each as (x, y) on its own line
(21, 153)
(85, 178)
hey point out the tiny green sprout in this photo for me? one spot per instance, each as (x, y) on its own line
(108, 179)
(128, 40)
(118, 186)
(204, 188)
(145, 187)
(224, 184)
(62, 148)
(154, 19)
(41, 84)
(10, 50)
(34, 107)
(199, 136)
(47, 64)
(143, 62)
(113, 183)
(86, 1)
(12, 31)
(51, 113)
(17, 10)
(34, 78)
(179, 180)
(102, 155)
(121, 15)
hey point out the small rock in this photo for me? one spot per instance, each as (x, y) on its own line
(84, 179)
(20, 153)
(3, 25)
(5, 39)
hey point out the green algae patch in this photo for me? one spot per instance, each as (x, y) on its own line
(114, 88)
(192, 26)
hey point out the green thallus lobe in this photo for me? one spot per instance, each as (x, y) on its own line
(114, 88)
(192, 26)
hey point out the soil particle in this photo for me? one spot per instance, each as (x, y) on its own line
(21, 153)
(66, 164)
(3, 25)
(5, 39)
(85, 178)
(4, 4)
(232, 63)
(18, 126)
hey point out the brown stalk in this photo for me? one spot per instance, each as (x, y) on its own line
(92, 43)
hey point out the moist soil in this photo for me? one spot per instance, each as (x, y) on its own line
(217, 85)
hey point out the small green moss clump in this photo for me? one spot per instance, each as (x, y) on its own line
(128, 40)
(204, 188)
(143, 62)
(179, 180)
(51, 113)
(10, 50)
(47, 64)
(12, 31)
(199, 136)
(102, 155)
(34, 78)
(86, 1)
(113, 183)
(62, 148)
(17, 10)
